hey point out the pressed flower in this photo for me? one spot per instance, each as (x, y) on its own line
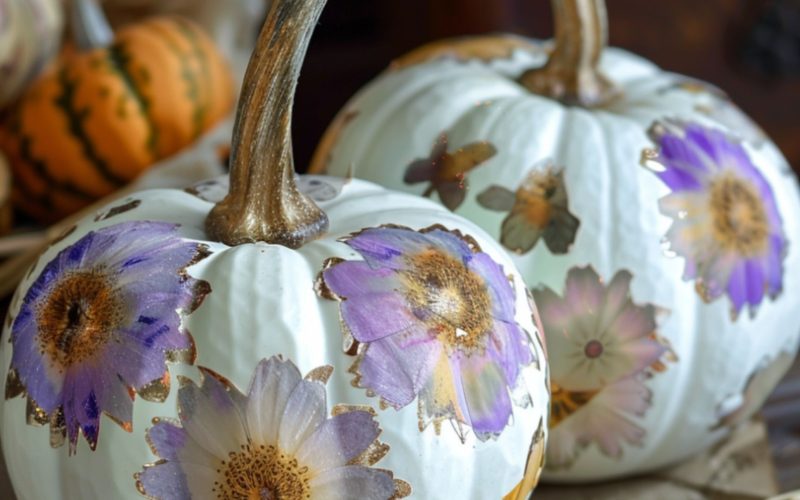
(537, 210)
(273, 442)
(726, 222)
(604, 417)
(99, 324)
(447, 172)
(433, 318)
(601, 345)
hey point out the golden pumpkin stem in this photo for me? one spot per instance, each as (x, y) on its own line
(572, 73)
(89, 26)
(263, 203)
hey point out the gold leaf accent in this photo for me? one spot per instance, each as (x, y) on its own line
(320, 374)
(35, 415)
(14, 386)
(156, 391)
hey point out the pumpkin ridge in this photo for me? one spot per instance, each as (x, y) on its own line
(201, 111)
(187, 73)
(120, 60)
(75, 119)
(40, 167)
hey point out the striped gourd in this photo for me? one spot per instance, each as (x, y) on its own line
(102, 117)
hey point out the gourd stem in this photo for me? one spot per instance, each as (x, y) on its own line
(572, 73)
(89, 25)
(263, 203)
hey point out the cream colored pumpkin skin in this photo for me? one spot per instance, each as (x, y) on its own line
(263, 303)
(30, 35)
(396, 120)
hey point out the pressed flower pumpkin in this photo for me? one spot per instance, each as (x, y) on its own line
(30, 35)
(655, 223)
(103, 116)
(245, 342)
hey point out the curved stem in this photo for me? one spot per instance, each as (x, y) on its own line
(571, 75)
(89, 25)
(263, 203)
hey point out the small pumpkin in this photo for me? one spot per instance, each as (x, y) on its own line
(409, 319)
(30, 35)
(655, 223)
(102, 117)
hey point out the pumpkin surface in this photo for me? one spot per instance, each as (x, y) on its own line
(260, 301)
(665, 208)
(101, 118)
(30, 35)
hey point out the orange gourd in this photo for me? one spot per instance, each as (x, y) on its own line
(102, 117)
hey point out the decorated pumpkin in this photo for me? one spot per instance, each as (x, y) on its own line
(30, 35)
(656, 225)
(369, 344)
(102, 117)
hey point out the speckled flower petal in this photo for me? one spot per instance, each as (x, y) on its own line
(113, 289)
(485, 392)
(326, 449)
(305, 411)
(353, 482)
(397, 367)
(498, 285)
(165, 481)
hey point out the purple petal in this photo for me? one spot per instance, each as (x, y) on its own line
(167, 439)
(397, 367)
(339, 440)
(737, 286)
(756, 284)
(165, 481)
(388, 247)
(353, 482)
(487, 403)
(724, 151)
(510, 349)
(683, 164)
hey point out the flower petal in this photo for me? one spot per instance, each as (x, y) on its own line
(488, 404)
(165, 481)
(353, 482)
(339, 440)
(304, 412)
(272, 385)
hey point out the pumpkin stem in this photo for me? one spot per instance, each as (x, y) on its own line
(571, 75)
(89, 26)
(263, 203)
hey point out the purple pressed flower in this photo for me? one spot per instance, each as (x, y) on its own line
(435, 319)
(273, 442)
(726, 223)
(447, 172)
(100, 322)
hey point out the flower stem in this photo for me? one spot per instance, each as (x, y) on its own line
(89, 26)
(572, 75)
(263, 203)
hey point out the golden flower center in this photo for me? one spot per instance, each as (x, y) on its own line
(453, 300)
(739, 218)
(78, 317)
(261, 472)
(564, 403)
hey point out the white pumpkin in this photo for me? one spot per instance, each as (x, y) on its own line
(423, 329)
(30, 36)
(560, 181)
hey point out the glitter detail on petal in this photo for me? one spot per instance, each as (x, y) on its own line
(99, 323)
(433, 318)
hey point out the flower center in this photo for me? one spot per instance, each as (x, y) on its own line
(593, 349)
(262, 472)
(740, 221)
(78, 317)
(450, 298)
